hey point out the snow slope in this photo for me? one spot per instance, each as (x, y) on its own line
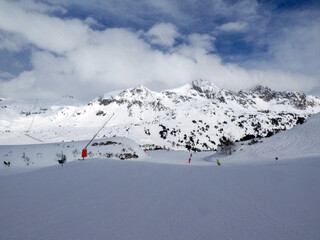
(302, 141)
(102, 199)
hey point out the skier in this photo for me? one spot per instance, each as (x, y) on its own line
(218, 162)
(189, 159)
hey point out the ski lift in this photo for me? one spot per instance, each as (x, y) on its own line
(31, 124)
(84, 150)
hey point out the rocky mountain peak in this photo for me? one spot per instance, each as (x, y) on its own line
(140, 89)
(139, 93)
(135, 95)
(297, 99)
(264, 93)
(204, 86)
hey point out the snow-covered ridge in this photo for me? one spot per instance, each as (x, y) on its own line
(207, 90)
(196, 115)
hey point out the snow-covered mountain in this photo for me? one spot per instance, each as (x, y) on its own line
(197, 115)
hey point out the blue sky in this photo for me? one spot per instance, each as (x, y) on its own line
(50, 48)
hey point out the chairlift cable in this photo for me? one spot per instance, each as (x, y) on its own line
(99, 131)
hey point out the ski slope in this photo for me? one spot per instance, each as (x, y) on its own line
(300, 142)
(163, 197)
(112, 199)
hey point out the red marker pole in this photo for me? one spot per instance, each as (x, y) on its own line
(84, 151)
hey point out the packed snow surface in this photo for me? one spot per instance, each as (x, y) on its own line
(101, 199)
(251, 196)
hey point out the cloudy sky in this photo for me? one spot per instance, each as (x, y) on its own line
(50, 48)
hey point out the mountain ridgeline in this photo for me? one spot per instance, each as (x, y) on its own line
(199, 115)
(195, 116)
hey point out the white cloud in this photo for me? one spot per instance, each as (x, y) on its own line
(92, 22)
(9, 43)
(233, 27)
(298, 48)
(49, 33)
(163, 34)
(6, 75)
(204, 41)
(31, 5)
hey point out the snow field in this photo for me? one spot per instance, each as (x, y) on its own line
(108, 199)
